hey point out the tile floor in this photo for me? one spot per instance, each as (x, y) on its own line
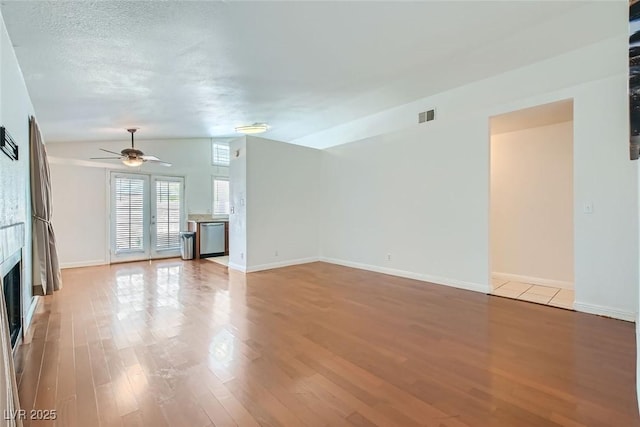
(224, 260)
(556, 297)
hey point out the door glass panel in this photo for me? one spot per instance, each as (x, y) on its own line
(168, 214)
(130, 218)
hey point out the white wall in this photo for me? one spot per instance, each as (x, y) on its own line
(532, 205)
(413, 195)
(15, 201)
(606, 247)
(283, 207)
(421, 192)
(237, 203)
(71, 169)
(79, 210)
(638, 320)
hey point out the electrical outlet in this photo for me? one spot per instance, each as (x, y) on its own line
(388, 257)
(241, 255)
(275, 253)
(587, 208)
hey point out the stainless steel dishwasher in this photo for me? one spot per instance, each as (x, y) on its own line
(211, 239)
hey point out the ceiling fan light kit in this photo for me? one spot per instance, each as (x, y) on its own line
(131, 156)
(132, 161)
(253, 129)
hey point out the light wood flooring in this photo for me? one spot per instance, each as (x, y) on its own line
(189, 343)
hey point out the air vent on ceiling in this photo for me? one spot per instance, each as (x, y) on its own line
(426, 116)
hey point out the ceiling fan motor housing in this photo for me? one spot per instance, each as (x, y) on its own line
(131, 152)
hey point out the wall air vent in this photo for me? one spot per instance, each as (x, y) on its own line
(7, 144)
(426, 116)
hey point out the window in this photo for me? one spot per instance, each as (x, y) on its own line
(220, 154)
(220, 196)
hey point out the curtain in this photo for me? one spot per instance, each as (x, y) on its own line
(46, 271)
(9, 403)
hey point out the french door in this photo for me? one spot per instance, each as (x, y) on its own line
(147, 214)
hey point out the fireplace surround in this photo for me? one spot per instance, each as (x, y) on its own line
(11, 248)
(11, 284)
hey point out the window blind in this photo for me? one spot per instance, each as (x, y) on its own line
(129, 214)
(220, 196)
(220, 154)
(168, 206)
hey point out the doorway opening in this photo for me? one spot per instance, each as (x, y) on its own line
(531, 205)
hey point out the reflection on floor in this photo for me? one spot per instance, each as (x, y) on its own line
(224, 260)
(547, 295)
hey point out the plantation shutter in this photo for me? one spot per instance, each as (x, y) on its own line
(129, 225)
(168, 207)
(220, 154)
(220, 196)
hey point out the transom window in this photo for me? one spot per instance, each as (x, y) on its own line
(220, 154)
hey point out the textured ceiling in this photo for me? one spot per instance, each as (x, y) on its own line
(198, 69)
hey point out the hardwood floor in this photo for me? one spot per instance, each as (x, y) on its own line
(175, 343)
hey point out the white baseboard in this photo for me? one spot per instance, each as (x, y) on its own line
(470, 286)
(90, 263)
(602, 310)
(280, 264)
(237, 267)
(29, 315)
(533, 280)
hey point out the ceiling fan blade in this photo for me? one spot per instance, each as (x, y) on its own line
(105, 158)
(112, 152)
(160, 162)
(151, 158)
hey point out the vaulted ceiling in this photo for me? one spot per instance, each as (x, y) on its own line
(198, 69)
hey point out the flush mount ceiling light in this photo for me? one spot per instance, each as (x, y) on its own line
(254, 128)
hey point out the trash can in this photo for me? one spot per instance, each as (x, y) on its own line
(187, 243)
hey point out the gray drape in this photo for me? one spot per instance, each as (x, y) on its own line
(9, 403)
(46, 271)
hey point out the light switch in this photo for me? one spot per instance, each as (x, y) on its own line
(587, 207)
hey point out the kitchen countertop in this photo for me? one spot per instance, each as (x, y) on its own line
(205, 218)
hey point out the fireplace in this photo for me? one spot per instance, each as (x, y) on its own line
(11, 248)
(12, 296)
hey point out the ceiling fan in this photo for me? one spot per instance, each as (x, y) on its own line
(131, 156)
